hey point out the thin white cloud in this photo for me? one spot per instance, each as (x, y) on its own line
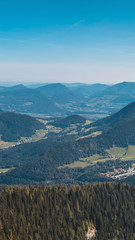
(78, 23)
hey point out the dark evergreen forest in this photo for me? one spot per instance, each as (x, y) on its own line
(13, 126)
(59, 213)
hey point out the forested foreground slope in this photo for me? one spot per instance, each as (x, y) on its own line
(59, 213)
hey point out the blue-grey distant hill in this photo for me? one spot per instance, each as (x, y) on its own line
(113, 98)
(87, 90)
(124, 90)
(16, 87)
(22, 99)
(59, 93)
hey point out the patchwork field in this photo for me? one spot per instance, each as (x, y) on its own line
(4, 170)
(39, 134)
(124, 154)
(51, 130)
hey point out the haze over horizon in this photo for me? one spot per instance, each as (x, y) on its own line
(49, 41)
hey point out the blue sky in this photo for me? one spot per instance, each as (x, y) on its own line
(67, 41)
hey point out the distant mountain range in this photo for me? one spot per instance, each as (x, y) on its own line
(54, 100)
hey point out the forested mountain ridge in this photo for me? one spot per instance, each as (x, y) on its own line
(67, 121)
(23, 153)
(13, 126)
(127, 112)
(59, 213)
